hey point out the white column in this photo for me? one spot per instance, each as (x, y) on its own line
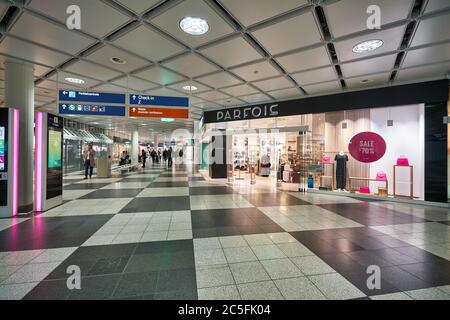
(135, 146)
(19, 93)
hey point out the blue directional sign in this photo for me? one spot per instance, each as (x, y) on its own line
(144, 100)
(91, 97)
(91, 110)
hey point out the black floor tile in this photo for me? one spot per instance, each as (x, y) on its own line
(173, 175)
(181, 295)
(174, 280)
(54, 232)
(394, 257)
(96, 288)
(196, 179)
(164, 247)
(359, 280)
(49, 290)
(109, 266)
(86, 186)
(419, 254)
(368, 258)
(371, 215)
(149, 180)
(209, 191)
(157, 204)
(112, 193)
(136, 285)
(436, 274)
(177, 184)
(344, 245)
(401, 279)
(273, 199)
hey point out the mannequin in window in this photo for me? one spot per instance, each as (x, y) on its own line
(265, 165)
(341, 170)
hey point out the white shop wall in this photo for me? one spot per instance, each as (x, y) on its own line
(405, 138)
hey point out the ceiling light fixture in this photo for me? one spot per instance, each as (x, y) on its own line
(367, 46)
(75, 80)
(168, 120)
(194, 26)
(365, 81)
(190, 88)
(117, 60)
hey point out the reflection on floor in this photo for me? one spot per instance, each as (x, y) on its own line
(160, 234)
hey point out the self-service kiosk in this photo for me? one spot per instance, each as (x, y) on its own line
(48, 161)
(9, 162)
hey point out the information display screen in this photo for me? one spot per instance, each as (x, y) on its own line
(54, 148)
(2, 149)
(54, 157)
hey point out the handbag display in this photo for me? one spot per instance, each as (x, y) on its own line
(365, 190)
(402, 161)
(326, 160)
(381, 176)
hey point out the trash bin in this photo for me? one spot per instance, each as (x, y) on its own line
(104, 167)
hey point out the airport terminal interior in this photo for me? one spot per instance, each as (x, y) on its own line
(224, 150)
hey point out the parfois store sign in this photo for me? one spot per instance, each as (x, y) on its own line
(247, 113)
(367, 147)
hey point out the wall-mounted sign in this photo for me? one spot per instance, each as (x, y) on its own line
(91, 97)
(367, 147)
(91, 110)
(144, 100)
(247, 113)
(142, 112)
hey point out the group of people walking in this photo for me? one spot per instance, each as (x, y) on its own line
(156, 156)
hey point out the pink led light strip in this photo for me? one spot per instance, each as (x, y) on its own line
(15, 170)
(38, 162)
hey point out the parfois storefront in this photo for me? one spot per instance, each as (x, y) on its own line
(390, 142)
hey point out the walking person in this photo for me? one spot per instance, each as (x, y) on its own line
(169, 157)
(144, 158)
(181, 154)
(89, 162)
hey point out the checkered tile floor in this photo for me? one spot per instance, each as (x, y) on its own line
(160, 234)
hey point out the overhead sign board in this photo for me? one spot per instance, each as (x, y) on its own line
(145, 100)
(143, 112)
(91, 97)
(91, 110)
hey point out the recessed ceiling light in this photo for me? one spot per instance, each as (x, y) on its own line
(367, 46)
(366, 81)
(190, 88)
(75, 80)
(194, 26)
(117, 60)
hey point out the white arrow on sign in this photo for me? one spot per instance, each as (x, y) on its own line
(64, 92)
(64, 107)
(134, 97)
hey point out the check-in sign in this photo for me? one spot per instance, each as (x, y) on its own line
(146, 100)
(143, 112)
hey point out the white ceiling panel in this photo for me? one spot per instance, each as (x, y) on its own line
(424, 72)
(375, 65)
(110, 88)
(92, 70)
(139, 6)
(392, 39)
(256, 71)
(427, 55)
(98, 18)
(191, 65)
(349, 16)
(232, 53)
(274, 84)
(432, 30)
(135, 84)
(326, 87)
(303, 60)
(41, 31)
(169, 21)
(219, 80)
(148, 44)
(297, 32)
(212, 95)
(45, 99)
(61, 78)
(240, 90)
(159, 75)
(286, 93)
(200, 87)
(45, 92)
(249, 12)
(30, 52)
(230, 102)
(435, 5)
(255, 98)
(103, 56)
(315, 76)
(368, 81)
